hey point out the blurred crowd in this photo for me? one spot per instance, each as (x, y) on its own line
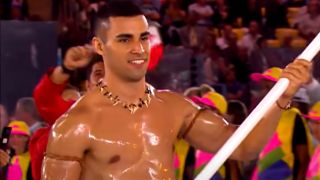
(224, 55)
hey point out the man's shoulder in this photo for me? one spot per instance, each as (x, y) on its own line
(179, 105)
(166, 93)
(82, 111)
(172, 97)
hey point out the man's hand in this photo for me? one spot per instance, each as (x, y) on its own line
(4, 158)
(298, 72)
(77, 57)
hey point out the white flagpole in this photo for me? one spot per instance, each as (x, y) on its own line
(256, 115)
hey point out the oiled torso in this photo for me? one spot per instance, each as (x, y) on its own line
(131, 146)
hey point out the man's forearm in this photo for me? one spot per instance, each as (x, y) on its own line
(261, 134)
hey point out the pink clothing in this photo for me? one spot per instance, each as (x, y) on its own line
(314, 166)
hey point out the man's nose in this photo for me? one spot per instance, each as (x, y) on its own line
(138, 48)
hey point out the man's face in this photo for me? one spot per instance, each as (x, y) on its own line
(97, 73)
(126, 48)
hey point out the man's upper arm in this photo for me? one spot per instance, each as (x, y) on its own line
(68, 141)
(209, 131)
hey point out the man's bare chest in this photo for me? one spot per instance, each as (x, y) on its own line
(119, 138)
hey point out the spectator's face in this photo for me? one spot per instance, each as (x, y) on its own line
(97, 73)
(126, 48)
(18, 143)
(315, 128)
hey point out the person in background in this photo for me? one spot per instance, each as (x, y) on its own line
(313, 90)
(203, 11)
(53, 98)
(249, 40)
(3, 117)
(192, 35)
(308, 24)
(150, 10)
(173, 14)
(4, 155)
(4, 161)
(287, 153)
(26, 111)
(313, 116)
(4, 158)
(230, 169)
(236, 114)
(276, 16)
(19, 167)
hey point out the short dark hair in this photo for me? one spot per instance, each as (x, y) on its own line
(115, 8)
(96, 58)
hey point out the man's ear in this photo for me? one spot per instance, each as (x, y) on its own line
(87, 84)
(97, 44)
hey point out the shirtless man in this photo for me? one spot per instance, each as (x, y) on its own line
(125, 129)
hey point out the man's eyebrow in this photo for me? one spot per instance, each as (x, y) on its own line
(131, 36)
(124, 36)
(145, 34)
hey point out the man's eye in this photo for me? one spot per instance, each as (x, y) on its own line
(145, 38)
(123, 40)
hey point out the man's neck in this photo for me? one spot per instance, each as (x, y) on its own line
(127, 91)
